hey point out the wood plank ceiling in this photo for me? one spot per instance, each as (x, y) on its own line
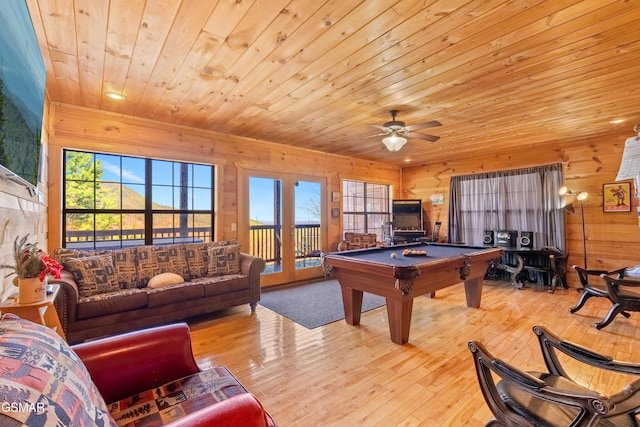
(313, 73)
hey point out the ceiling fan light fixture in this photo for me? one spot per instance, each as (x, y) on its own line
(394, 142)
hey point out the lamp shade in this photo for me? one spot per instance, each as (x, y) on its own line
(564, 191)
(394, 142)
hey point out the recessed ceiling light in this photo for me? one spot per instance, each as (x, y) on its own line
(616, 121)
(116, 96)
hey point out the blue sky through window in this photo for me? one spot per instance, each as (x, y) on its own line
(165, 174)
(262, 196)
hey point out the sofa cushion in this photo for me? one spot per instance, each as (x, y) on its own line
(198, 257)
(93, 274)
(217, 285)
(153, 260)
(111, 302)
(41, 372)
(164, 279)
(187, 291)
(223, 260)
(173, 400)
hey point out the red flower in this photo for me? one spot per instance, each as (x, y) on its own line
(49, 267)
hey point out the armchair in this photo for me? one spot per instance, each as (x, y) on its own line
(552, 398)
(593, 286)
(358, 241)
(625, 295)
(147, 377)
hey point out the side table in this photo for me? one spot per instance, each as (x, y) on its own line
(41, 312)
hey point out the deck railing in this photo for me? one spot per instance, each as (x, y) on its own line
(264, 240)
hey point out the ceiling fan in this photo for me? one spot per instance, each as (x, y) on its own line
(396, 132)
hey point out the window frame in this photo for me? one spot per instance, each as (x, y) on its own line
(148, 212)
(368, 215)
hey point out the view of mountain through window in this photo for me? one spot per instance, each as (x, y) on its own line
(117, 201)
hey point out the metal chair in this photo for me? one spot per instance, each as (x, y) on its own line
(553, 398)
(593, 285)
(625, 295)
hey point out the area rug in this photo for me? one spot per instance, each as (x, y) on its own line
(314, 304)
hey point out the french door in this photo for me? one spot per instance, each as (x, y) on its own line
(284, 224)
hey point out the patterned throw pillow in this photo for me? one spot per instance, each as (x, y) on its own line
(154, 260)
(93, 274)
(198, 256)
(197, 259)
(125, 264)
(45, 380)
(63, 254)
(223, 260)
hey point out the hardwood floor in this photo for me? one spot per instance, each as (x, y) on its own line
(341, 375)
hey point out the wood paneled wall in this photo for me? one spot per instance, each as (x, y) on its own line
(613, 239)
(86, 129)
(22, 213)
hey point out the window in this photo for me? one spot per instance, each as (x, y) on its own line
(113, 201)
(365, 206)
(520, 200)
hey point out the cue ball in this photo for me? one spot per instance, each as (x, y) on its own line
(393, 255)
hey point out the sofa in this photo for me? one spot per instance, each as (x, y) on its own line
(133, 379)
(104, 292)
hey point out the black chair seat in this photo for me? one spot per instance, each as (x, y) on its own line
(542, 412)
(519, 398)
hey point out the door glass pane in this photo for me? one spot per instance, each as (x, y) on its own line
(265, 221)
(307, 224)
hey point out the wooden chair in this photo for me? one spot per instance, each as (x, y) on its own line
(625, 295)
(593, 285)
(435, 233)
(558, 261)
(552, 398)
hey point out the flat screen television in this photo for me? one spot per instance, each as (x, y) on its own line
(407, 214)
(22, 88)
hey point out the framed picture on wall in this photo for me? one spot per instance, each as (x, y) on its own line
(616, 197)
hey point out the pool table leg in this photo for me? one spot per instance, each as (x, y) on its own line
(399, 311)
(473, 291)
(352, 303)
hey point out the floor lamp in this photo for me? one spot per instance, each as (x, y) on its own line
(581, 197)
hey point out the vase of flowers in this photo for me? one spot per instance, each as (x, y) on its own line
(32, 267)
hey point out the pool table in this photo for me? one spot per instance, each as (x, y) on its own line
(385, 271)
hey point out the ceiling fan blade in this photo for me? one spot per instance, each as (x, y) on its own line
(366, 137)
(431, 138)
(432, 123)
(376, 126)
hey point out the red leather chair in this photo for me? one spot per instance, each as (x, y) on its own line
(129, 364)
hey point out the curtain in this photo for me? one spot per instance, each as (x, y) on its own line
(522, 200)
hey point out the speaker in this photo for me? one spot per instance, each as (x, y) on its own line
(526, 239)
(488, 238)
